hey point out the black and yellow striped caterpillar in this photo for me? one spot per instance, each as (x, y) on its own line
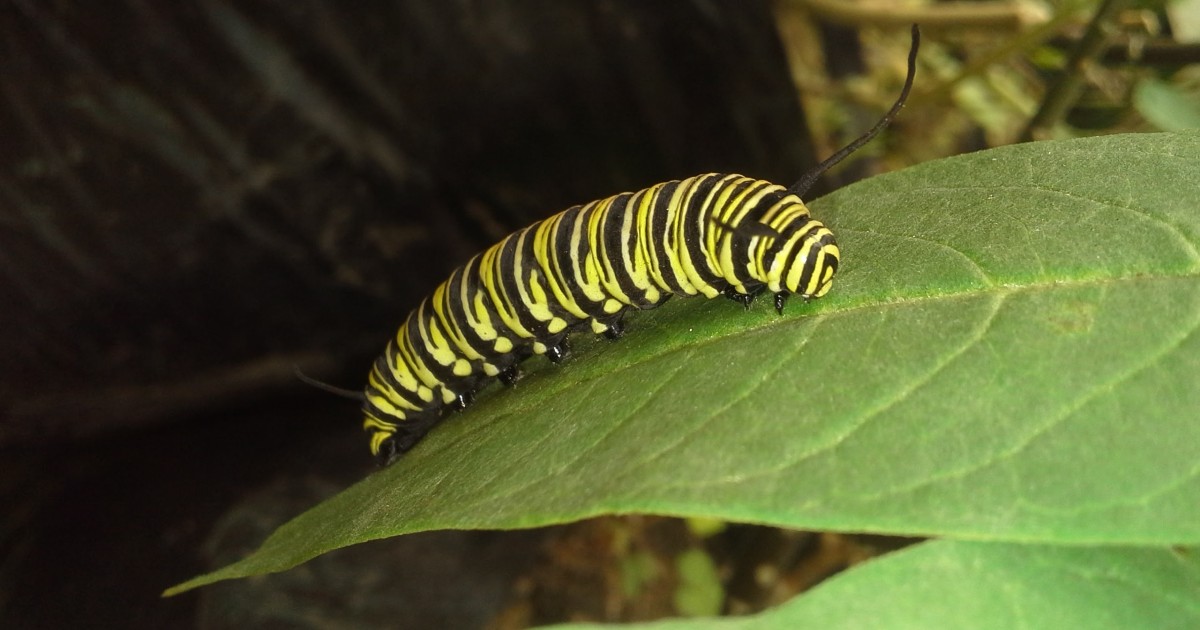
(706, 235)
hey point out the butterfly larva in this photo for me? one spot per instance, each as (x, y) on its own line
(706, 235)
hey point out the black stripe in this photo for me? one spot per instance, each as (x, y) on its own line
(615, 246)
(570, 259)
(658, 227)
(386, 375)
(695, 215)
(507, 287)
(807, 238)
(741, 238)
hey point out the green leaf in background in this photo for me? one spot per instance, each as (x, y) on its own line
(700, 592)
(1165, 105)
(1010, 353)
(966, 585)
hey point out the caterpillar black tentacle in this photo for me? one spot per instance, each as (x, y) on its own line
(709, 235)
(326, 387)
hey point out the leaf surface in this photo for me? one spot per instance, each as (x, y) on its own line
(985, 586)
(1009, 353)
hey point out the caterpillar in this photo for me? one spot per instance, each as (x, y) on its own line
(710, 235)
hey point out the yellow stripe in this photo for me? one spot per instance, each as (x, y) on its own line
(529, 287)
(686, 263)
(443, 310)
(794, 274)
(490, 276)
(545, 245)
(400, 371)
(646, 240)
(372, 422)
(378, 437)
(616, 297)
(391, 402)
(478, 317)
(584, 271)
(671, 239)
(435, 340)
(426, 381)
(473, 307)
(733, 216)
(757, 260)
(827, 271)
(633, 254)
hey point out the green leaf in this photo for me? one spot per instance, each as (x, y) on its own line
(950, 584)
(1010, 353)
(1166, 106)
(700, 592)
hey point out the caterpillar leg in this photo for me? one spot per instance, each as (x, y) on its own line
(780, 300)
(463, 400)
(613, 326)
(616, 328)
(745, 299)
(558, 351)
(510, 375)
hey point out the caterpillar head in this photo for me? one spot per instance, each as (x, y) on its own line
(803, 260)
(810, 272)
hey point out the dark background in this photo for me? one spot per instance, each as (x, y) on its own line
(195, 197)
